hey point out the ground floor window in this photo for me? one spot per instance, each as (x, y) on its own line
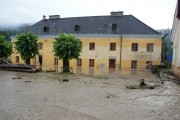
(79, 62)
(17, 59)
(133, 64)
(56, 61)
(91, 62)
(148, 64)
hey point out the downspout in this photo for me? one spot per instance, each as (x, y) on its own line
(120, 50)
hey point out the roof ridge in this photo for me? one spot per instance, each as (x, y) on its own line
(90, 16)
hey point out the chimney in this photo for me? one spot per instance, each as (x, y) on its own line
(117, 13)
(44, 17)
(54, 16)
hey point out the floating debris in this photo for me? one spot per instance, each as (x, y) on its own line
(27, 81)
(65, 80)
(142, 85)
(17, 78)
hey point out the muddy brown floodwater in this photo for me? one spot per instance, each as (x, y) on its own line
(44, 96)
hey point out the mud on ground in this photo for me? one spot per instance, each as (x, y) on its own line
(45, 96)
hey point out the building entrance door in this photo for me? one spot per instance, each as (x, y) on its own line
(40, 61)
(112, 63)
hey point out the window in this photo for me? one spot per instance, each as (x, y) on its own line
(56, 61)
(150, 47)
(114, 27)
(17, 59)
(46, 29)
(134, 47)
(91, 46)
(77, 28)
(79, 61)
(91, 62)
(40, 45)
(133, 64)
(112, 46)
(148, 64)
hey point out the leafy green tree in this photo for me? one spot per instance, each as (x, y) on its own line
(5, 47)
(27, 45)
(164, 50)
(6, 35)
(67, 47)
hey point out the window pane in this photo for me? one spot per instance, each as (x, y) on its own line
(148, 64)
(40, 45)
(91, 46)
(134, 64)
(79, 61)
(134, 47)
(55, 61)
(113, 46)
(150, 47)
(91, 62)
(114, 27)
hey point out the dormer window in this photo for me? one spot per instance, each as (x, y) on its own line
(46, 29)
(77, 28)
(114, 27)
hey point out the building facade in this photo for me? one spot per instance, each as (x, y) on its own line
(175, 37)
(117, 41)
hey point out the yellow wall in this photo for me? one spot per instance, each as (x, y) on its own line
(102, 52)
(141, 55)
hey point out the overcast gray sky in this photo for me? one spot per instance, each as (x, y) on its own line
(157, 14)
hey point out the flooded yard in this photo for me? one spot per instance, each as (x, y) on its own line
(101, 96)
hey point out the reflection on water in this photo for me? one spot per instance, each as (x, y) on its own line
(103, 71)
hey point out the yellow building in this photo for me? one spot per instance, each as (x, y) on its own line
(116, 41)
(175, 37)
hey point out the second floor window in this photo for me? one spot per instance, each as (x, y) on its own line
(112, 46)
(79, 62)
(134, 47)
(91, 46)
(40, 45)
(150, 47)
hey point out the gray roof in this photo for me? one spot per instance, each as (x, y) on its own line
(126, 24)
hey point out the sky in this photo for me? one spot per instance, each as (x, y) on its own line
(158, 14)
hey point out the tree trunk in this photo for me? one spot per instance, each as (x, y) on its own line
(65, 66)
(27, 61)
